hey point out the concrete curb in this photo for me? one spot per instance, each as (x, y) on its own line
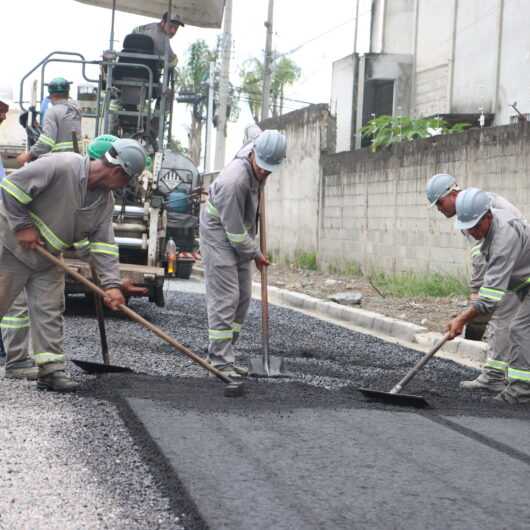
(392, 328)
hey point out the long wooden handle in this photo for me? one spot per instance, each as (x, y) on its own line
(135, 316)
(98, 305)
(420, 364)
(264, 281)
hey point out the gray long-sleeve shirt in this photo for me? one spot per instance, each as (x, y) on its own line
(229, 218)
(61, 120)
(506, 253)
(52, 195)
(160, 39)
(478, 266)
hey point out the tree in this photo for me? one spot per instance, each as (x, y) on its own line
(194, 79)
(285, 72)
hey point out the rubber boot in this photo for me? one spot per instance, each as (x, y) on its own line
(516, 393)
(22, 370)
(57, 382)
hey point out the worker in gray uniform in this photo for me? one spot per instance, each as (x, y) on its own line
(61, 201)
(443, 192)
(228, 227)
(61, 122)
(506, 251)
(161, 33)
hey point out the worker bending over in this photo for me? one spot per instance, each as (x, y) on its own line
(505, 249)
(228, 227)
(61, 122)
(60, 201)
(443, 192)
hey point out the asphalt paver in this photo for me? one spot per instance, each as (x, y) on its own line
(309, 451)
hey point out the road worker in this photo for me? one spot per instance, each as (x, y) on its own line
(15, 325)
(442, 192)
(505, 249)
(61, 122)
(4, 109)
(161, 33)
(61, 201)
(228, 227)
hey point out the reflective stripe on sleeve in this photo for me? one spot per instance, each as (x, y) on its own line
(220, 334)
(212, 210)
(20, 195)
(237, 238)
(80, 245)
(46, 140)
(104, 248)
(491, 294)
(63, 146)
(48, 358)
(515, 374)
(47, 233)
(475, 251)
(236, 326)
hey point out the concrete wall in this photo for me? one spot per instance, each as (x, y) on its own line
(371, 209)
(293, 192)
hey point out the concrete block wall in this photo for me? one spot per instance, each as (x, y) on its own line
(373, 207)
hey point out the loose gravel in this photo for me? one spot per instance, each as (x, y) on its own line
(76, 461)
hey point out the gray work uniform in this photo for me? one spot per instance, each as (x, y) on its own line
(160, 38)
(61, 120)
(52, 195)
(498, 329)
(506, 252)
(228, 227)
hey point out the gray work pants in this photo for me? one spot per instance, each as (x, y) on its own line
(498, 332)
(45, 298)
(228, 293)
(15, 327)
(519, 368)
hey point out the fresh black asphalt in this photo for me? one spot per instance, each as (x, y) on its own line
(309, 452)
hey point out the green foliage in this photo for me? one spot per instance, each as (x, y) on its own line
(419, 285)
(306, 260)
(388, 130)
(351, 268)
(285, 72)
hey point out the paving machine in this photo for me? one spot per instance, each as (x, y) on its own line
(130, 93)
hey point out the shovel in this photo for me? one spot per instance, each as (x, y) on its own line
(266, 365)
(106, 367)
(394, 397)
(232, 389)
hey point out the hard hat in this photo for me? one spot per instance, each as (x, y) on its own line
(175, 19)
(128, 154)
(472, 205)
(100, 145)
(439, 186)
(270, 148)
(59, 85)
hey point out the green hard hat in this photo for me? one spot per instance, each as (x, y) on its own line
(148, 163)
(59, 85)
(100, 145)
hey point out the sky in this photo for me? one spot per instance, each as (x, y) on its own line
(318, 35)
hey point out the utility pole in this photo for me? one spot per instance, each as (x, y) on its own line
(207, 164)
(267, 67)
(226, 51)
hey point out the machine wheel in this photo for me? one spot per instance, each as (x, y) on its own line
(184, 269)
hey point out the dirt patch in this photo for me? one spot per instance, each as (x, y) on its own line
(433, 313)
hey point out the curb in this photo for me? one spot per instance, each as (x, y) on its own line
(393, 328)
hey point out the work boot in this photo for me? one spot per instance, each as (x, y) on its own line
(484, 383)
(232, 370)
(516, 393)
(28, 372)
(57, 382)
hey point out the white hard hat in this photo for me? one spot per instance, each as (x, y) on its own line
(439, 186)
(472, 205)
(128, 154)
(270, 148)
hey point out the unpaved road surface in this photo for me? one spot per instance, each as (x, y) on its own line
(165, 449)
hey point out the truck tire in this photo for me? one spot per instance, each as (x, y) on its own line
(184, 269)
